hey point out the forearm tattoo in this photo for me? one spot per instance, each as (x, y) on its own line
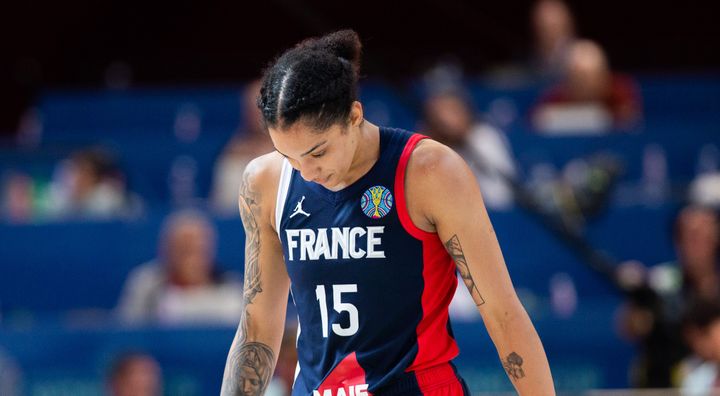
(249, 365)
(249, 210)
(513, 365)
(455, 250)
(251, 370)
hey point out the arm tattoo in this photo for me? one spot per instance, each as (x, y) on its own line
(513, 365)
(453, 247)
(251, 370)
(249, 365)
(249, 209)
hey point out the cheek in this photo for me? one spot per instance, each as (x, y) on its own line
(341, 162)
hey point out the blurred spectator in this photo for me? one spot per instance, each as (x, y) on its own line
(30, 129)
(135, 374)
(580, 190)
(449, 118)
(652, 317)
(700, 373)
(89, 185)
(250, 140)
(18, 197)
(182, 285)
(697, 233)
(590, 98)
(554, 31)
(705, 188)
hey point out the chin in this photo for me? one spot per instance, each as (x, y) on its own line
(333, 185)
(329, 181)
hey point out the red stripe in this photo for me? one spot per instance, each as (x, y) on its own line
(346, 375)
(402, 210)
(435, 345)
(430, 381)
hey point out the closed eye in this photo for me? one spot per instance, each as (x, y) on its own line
(319, 154)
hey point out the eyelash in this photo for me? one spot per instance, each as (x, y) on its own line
(318, 155)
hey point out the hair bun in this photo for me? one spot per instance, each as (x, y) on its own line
(343, 44)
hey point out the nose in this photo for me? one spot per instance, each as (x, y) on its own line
(308, 170)
(309, 173)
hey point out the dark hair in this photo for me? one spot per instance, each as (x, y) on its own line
(700, 313)
(315, 81)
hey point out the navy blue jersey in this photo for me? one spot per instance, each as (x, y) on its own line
(372, 290)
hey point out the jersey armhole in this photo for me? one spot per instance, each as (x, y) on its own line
(283, 187)
(402, 208)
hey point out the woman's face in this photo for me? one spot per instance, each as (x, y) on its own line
(324, 157)
(697, 239)
(189, 253)
(449, 118)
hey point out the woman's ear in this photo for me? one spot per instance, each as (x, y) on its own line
(356, 114)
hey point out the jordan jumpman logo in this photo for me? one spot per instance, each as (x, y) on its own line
(299, 210)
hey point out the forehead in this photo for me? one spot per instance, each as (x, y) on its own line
(298, 138)
(446, 100)
(697, 218)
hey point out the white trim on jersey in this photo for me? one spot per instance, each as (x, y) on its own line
(297, 338)
(283, 186)
(297, 365)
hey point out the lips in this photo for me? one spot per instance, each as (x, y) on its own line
(318, 181)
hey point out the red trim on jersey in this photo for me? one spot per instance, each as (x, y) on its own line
(435, 344)
(400, 202)
(346, 375)
(439, 380)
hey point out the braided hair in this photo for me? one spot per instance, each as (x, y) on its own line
(316, 82)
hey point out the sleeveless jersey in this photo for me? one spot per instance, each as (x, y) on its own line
(371, 289)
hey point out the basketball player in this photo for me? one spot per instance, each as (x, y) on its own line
(365, 226)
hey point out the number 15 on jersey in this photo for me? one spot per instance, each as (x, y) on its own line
(339, 307)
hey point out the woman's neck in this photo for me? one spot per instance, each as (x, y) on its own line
(367, 152)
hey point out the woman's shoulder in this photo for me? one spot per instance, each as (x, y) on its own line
(263, 172)
(431, 158)
(259, 184)
(435, 171)
(437, 182)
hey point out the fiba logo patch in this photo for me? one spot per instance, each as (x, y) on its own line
(376, 202)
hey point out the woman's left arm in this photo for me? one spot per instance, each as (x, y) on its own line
(449, 202)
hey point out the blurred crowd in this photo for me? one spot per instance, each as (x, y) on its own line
(672, 310)
(583, 96)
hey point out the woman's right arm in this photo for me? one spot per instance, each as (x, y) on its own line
(253, 354)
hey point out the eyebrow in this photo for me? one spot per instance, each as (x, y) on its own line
(307, 152)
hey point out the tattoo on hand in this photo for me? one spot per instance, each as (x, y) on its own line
(513, 365)
(455, 249)
(252, 365)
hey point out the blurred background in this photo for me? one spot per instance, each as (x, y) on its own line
(593, 129)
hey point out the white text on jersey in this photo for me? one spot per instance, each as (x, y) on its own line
(340, 243)
(352, 390)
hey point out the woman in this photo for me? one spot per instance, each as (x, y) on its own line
(365, 226)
